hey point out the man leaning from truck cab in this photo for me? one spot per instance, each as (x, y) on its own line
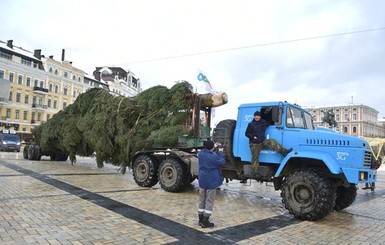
(255, 131)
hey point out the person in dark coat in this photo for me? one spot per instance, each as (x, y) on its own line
(255, 131)
(210, 178)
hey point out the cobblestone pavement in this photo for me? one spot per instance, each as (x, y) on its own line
(46, 202)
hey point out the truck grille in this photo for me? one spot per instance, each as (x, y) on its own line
(367, 159)
(328, 142)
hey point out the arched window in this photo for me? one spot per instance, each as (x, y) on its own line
(74, 77)
(50, 70)
(56, 72)
(74, 93)
(354, 129)
(50, 87)
(56, 89)
(65, 90)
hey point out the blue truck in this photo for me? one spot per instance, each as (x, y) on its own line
(319, 176)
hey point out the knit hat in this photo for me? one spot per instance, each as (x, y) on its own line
(257, 113)
(208, 144)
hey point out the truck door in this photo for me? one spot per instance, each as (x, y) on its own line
(273, 115)
(296, 120)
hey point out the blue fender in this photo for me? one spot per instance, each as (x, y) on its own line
(329, 160)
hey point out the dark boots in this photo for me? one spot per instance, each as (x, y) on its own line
(206, 222)
(286, 151)
(200, 219)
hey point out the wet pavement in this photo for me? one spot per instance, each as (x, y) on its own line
(47, 202)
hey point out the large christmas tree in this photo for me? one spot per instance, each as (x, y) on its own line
(112, 128)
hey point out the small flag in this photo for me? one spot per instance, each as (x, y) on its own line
(202, 77)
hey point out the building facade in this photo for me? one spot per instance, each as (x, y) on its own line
(353, 119)
(119, 81)
(34, 87)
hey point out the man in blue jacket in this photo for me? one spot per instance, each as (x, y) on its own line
(255, 131)
(210, 178)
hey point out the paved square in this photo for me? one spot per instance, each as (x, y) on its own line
(47, 202)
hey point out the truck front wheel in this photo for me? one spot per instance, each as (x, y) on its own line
(145, 170)
(307, 195)
(345, 197)
(172, 176)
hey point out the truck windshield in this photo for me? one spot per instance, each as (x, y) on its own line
(296, 118)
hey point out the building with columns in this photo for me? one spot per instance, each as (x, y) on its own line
(353, 119)
(34, 87)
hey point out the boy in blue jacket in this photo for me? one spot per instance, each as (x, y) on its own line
(210, 178)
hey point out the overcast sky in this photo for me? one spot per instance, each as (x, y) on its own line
(313, 53)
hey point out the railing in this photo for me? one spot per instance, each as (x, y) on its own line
(37, 106)
(39, 89)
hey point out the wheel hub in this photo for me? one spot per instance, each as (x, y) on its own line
(142, 170)
(303, 195)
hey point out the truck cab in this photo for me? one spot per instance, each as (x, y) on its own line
(292, 126)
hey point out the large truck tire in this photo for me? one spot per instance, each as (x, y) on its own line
(173, 175)
(31, 152)
(37, 153)
(58, 156)
(145, 170)
(25, 152)
(345, 197)
(223, 133)
(189, 179)
(53, 157)
(61, 157)
(307, 195)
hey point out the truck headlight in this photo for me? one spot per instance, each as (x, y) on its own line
(362, 176)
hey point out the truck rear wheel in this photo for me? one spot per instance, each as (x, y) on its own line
(307, 195)
(53, 157)
(345, 197)
(37, 155)
(31, 152)
(61, 157)
(145, 170)
(25, 152)
(172, 175)
(189, 179)
(58, 156)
